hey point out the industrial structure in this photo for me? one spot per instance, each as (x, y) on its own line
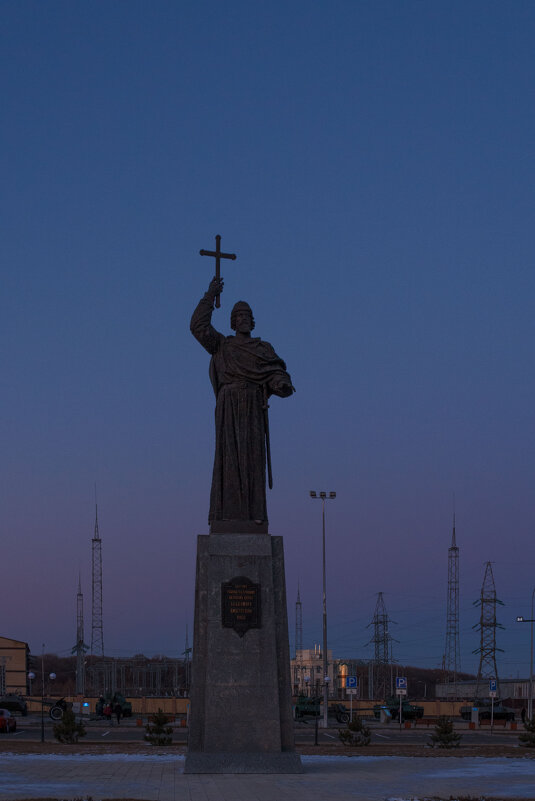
(97, 634)
(382, 640)
(298, 673)
(80, 648)
(138, 676)
(451, 662)
(487, 627)
(187, 662)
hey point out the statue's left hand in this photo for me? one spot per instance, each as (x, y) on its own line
(283, 388)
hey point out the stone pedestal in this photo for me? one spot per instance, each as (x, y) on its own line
(241, 717)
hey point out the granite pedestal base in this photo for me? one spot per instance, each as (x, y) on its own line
(241, 716)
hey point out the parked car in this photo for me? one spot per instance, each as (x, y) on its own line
(7, 721)
(14, 703)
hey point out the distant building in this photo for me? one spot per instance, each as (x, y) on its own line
(307, 672)
(14, 666)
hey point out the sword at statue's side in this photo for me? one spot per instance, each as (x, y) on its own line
(265, 408)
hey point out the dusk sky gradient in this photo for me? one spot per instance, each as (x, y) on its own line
(372, 166)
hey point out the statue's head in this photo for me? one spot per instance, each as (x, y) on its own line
(241, 307)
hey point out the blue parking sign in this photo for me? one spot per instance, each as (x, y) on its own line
(351, 682)
(493, 685)
(401, 682)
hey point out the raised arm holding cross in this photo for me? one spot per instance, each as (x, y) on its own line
(218, 256)
(244, 371)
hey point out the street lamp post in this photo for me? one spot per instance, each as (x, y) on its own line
(51, 676)
(323, 496)
(531, 621)
(43, 694)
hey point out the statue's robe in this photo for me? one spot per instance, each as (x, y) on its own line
(239, 371)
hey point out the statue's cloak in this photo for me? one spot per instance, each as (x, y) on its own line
(239, 371)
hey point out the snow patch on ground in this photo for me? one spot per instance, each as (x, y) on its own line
(322, 759)
(479, 766)
(4, 757)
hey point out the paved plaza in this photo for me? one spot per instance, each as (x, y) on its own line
(160, 777)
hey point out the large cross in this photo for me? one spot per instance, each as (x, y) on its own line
(218, 256)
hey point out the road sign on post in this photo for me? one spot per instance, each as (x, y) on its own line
(493, 692)
(401, 689)
(352, 684)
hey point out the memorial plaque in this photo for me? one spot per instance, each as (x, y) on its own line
(240, 605)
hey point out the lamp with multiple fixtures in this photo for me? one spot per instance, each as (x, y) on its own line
(531, 620)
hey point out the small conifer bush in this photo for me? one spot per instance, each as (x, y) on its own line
(527, 737)
(356, 734)
(158, 732)
(68, 730)
(445, 735)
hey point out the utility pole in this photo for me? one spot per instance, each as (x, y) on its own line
(187, 656)
(97, 635)
(80, 648)
(323, 496)
(382, 641)
(531, 621)
(452, 661)
(487, 627)
(298, 641)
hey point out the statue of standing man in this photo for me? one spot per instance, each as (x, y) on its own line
(244, 372)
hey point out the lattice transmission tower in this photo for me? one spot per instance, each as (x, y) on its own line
(298, 678)
(451, 662)
(487, 626)
(80, 648)
(298, 626)
(97, 634)
(382, 640)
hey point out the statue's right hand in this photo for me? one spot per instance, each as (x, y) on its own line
(216, 287)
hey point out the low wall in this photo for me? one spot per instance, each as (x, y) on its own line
(431, 708)
(141, 707)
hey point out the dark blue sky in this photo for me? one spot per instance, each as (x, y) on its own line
(372, 165)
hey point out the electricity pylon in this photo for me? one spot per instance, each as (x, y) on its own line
(382, 640)
(298, 626)
(298, 665)
(487, 626)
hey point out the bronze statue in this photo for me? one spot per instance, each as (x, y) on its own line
(244, 372)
